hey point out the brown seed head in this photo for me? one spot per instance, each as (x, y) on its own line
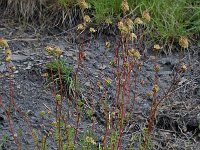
(82, 4)
(138, 21)
(3, 43)
(183, 42)
(137, 55)
(124, 6)
(157, 67)
(156, 47)
(107, 45)
(8, 59)
(57, 51)
(87, 19)
(58, 98)
(132, 36)
(129, 24)
(8, 52)
(146, 16)
(92, 30)
(183, 67)
(155, 88)
(49, 50)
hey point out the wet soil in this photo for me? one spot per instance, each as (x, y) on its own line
(178, 118)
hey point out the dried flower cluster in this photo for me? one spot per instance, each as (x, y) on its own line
(54, 51)
(146, 16)
(126, 26)
(82, 4)
(90, 140)
(124, 6)
(183, 42)
(134, 53)
(86, 20)
(155, 88)
(4, 45)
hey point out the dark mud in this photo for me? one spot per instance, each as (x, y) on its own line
(176, 125)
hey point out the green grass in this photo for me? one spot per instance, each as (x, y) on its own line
(66, 72)
(67, 3)
(105, 9)
(170, 18)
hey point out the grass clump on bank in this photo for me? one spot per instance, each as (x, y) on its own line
(170, 19)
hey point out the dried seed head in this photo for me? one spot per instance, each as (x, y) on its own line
(92, 30)
(57, 51)
(124, 6)
(49, 112)
(132, 36)
(13, 68)
(146, 16)
(157, 67)
(112, 63)
(42, 114)
(132, 51)
(157, 47)
(82, 4)
(107, 81)
(80, 27)
(87, 19)
(124, 30)
(125, 65)
(45, 74)
(138, 21)
(8, 59)
(98, 84)
(49, 50)
(107, 45)
(54, 124)
(90, 140)
(140, 64)
(58, 98)
(142, 82)
(120, 25)
(183, 42)
(3, 43)
(155, 88)
(149, 94)
(129, 24)
(183, 67)
(8, 52)
(137, 55)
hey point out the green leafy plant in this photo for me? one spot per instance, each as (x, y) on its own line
(87, 141)
(3, 140)
(66, 74)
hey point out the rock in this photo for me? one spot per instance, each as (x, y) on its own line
(87, 84)
(2, 68)
(100, 66)
(168, 61)
(165, 73)
(29, 66)
(29, 112)
(70, 53)
(19, 57)
(16, 72)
